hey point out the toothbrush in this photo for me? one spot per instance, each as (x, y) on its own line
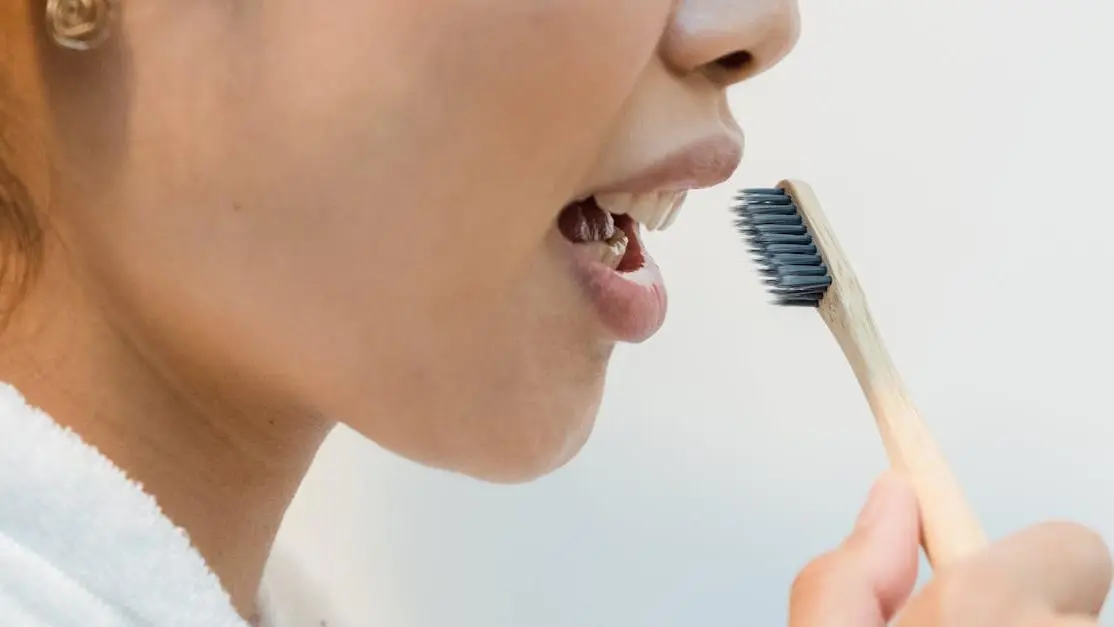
(803, 265)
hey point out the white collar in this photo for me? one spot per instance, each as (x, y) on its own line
(82, 544)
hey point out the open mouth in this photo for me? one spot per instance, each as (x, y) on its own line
(611, 260)
(606, 228)
(611, 239)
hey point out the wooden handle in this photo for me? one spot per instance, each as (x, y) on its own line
(951, 529)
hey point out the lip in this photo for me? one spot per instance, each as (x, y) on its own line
(631, 305)
(703, 163)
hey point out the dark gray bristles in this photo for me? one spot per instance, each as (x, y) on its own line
(791, 267)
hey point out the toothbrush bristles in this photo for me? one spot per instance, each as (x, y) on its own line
(780, 243)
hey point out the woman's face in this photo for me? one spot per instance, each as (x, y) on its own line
(350, 208)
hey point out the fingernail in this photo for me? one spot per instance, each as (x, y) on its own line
(875, 505)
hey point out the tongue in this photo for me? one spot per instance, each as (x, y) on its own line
(635, 257)
(584, 221)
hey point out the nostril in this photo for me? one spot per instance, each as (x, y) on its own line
(734, 62)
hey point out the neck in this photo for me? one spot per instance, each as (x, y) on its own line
(224, 470)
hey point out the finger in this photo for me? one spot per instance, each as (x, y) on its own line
(1065, 567)
(1039, 577)
(865, 580)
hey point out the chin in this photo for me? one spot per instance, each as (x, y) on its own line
(514, 435)
(542, 437)
(508, 405)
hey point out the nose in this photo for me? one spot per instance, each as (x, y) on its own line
(729, 40)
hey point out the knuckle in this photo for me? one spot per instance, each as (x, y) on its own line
(1092, 542)
(1076, 534)
(1082, 547)
(1021, 582)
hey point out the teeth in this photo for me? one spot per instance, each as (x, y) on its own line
(611, 251)
(674, 212)
(654, 210)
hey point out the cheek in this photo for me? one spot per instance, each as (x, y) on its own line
(544, 92)
(437, 139)
(449, 134)
(377, 238)
(499, 104)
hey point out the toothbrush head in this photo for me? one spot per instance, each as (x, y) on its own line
(780, 241)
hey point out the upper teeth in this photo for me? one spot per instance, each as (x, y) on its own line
(654, 210)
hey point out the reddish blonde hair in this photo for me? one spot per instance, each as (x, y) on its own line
(24, 169)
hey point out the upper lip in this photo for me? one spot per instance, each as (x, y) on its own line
(703, 163)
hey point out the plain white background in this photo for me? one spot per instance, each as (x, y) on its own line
(959, 148)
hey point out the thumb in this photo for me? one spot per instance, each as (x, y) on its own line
(864, 581)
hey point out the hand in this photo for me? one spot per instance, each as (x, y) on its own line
(1051, 575)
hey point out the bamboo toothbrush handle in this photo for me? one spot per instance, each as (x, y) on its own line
(950, 527)
(951, 530)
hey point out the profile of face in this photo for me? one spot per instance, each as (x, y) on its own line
(421, 219)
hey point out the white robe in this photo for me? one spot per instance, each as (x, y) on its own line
(82, 545)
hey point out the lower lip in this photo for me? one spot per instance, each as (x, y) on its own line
(631, 305)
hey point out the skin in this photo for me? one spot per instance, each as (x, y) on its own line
(262, 218)
(1050, 575)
